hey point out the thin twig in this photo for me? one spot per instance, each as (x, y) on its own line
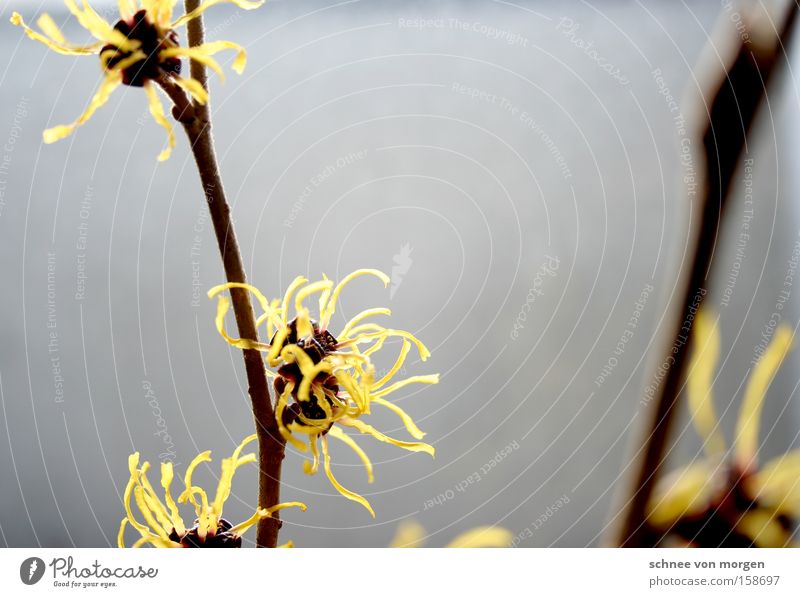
(196, 121)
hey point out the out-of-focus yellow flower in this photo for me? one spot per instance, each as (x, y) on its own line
(410, 533)
(139, 49)
(325, 382)
(163, 525)
(721, 501)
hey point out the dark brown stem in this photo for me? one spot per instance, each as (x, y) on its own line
(196, 122)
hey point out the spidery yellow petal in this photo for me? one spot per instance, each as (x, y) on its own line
(350, 495)
(244, 4)
(351, 443)
(409, 533)
(483, 537)
(746, 437)
(157, 112)
(111, 81)
(700, 382)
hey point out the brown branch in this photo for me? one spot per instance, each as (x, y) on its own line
(196, 121)
(183, 110)
(196, 37)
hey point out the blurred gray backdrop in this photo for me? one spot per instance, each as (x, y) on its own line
(516, 163)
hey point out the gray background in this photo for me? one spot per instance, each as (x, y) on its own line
(480, 194)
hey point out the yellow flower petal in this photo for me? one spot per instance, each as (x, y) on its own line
(362, 316)
(330, 308)
(244, 4)
(427, 379)
(99, 27)
(324, 297)
(188, 493)
(121, 533)
(166, 8)
(321, 287)
(280, 406)
(159, 12)
(292, 353)
(133, 462)
(354, 390)
(700, 382)
(157, 112)
(272, 317)
(309, 374)
(50, 29)
(154, 503)
(193, 88)
(194, 53)
(237, 453)
(111, 81)
(223, 486)
(287, 297)
(138, 494)
(107, 55)
(410, 426)
(747, 426)
(265, 513)
(343, 437)
(684, 493)
(206, 523)
(53, 38)
(360, 334)
(167, 474)
(276, 346)
(404, 350)
(378, 345)
(262, 300)
(311, 468)
(350, 495)
(761, 526)
(213, 47)
(303, 323)
(228, 469)
(223, 304)
(777, 484)
(282, 506)
(483, 537)
(370, 430)
(127, 8)
(156, 541)
(243, 526)
(409, 533)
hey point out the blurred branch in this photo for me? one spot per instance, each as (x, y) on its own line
(735, 70)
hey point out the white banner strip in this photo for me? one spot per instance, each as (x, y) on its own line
(411, 572)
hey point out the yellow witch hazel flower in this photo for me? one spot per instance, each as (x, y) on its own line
(410, 533)
(138, 50)
(163, 525)
(715, 502)
(324, 383)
